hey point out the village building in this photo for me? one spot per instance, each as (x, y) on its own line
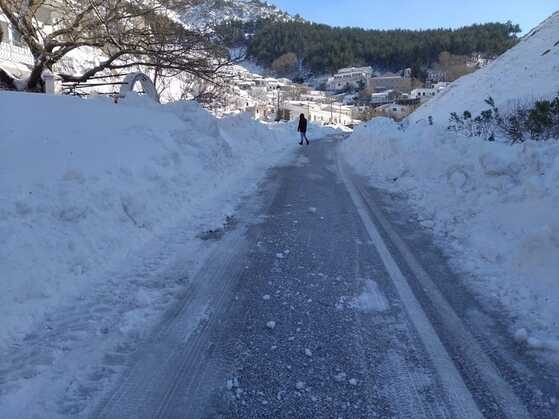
(441, 86)
(425, 94)
(390, 82)
(434, 77)
(393, 110)
(382, 98)
(15, 57)
(333, 113)
(401, 82)
(261, 111)
(352, 77)
(315, 96)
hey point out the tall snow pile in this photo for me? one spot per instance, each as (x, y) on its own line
(493, 205)
(85, 182)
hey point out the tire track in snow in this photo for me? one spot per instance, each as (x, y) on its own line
(459, 396)
(180, 346)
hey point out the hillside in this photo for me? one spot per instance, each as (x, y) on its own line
(492, 205)
(323, 48)
(524, 73)
(214, 12)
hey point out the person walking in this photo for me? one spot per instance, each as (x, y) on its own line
(302, 128)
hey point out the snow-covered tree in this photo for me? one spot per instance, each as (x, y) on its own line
(125, 33)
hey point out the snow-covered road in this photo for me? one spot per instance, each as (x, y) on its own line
(326, 300)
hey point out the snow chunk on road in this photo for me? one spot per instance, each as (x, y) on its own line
(271, 324)
(521, 336)
(302, 161)
(340, 377)
(232, 383)
(535, 343)
(371, 300)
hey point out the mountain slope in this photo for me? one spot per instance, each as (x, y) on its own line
(526, 72)
(212, 12)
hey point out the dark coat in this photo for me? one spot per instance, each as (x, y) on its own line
(302, 125)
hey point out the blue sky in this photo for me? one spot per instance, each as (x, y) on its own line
(420, 14)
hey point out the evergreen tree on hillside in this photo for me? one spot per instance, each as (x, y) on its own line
(325, 49)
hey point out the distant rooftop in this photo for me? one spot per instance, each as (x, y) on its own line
(355, 70)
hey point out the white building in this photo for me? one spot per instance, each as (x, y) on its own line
(423, 93)
(15, 57)
(333, 113)
(441, 86)
(352, 77)
(315, 96)
(427, 93)
(393, 110)
(385, 97)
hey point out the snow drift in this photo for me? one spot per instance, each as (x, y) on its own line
(494, 206)
(83, 183)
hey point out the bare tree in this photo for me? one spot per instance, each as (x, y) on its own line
(127, 33)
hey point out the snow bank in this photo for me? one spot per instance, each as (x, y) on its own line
(85, 182)
(493, 206)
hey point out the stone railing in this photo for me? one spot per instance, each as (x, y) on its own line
(13, 53)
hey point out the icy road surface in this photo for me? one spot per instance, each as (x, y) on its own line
(331, 304)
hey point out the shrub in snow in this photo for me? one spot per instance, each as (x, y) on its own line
(543, 120)
(537, 122)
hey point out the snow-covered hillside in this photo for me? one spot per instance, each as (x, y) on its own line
(493, 206)
(525, 73)
(211, 12)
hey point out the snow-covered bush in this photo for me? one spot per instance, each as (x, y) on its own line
(537, 122)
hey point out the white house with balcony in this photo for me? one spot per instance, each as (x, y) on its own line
(15, 57)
